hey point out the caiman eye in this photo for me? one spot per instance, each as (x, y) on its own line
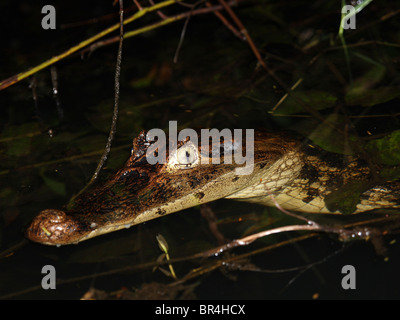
(186, 155)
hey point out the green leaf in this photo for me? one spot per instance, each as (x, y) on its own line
(318, 100)
(387, 149)
(129, 117)
(162, 243)
(18, 139)
(369, 79)
(56, 186)
(371, 97)
(346, 198)
(324, 135)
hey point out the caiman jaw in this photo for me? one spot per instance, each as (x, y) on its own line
(141, 191)
(55, 227)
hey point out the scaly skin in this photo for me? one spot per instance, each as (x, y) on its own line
(298, 176)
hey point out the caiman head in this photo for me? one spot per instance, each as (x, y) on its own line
(140, 191)
(283, 171)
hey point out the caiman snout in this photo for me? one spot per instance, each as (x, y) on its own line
(53, 227)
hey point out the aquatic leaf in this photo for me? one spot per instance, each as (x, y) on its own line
(369, 79)
(90, 143)
(66, 137)
(317, 100)
(390, 173)
(56, 186)
(162, 243)
(145, 81)
(363, 91)
(130, 118)
(17, 139)
(371, 97)
(345, 199)
(324, 135)
(387, 149)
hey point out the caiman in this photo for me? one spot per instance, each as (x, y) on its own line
(297, 175)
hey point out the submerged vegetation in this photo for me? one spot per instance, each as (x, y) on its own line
(227, 64)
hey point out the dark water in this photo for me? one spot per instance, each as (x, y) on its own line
(50, 146)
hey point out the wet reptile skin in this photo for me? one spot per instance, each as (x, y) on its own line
(298, 176)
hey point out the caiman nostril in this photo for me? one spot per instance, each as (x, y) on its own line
(51, 226)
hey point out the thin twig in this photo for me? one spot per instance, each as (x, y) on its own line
(116, 102)
(251, 238)
(139, 6)
(244, 32)
(226, 23)
(159, 12)
(277, 205)
(286, 95)
(178, 49)
(156, 25)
